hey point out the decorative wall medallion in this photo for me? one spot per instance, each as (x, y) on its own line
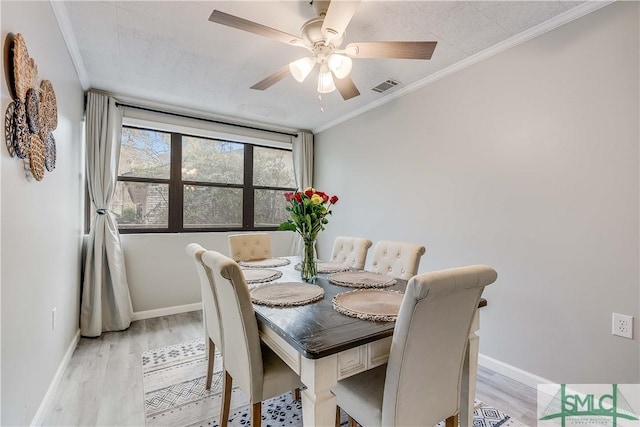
(22, 69)
(9, 128)
(21, 136)
(32, 110)
(48, 107)
(33, 74)
(36, 157)
(32, 115)
(50, 151)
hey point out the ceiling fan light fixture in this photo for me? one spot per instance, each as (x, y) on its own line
(325, 80)
(301, 68)
(340, 65)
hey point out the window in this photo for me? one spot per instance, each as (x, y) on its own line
(171, 182)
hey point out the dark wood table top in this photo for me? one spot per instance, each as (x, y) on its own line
(317, 330)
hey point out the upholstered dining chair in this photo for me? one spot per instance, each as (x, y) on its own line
(420, 385)
(210, 312)
(253, 366)
(398, 259)
(249, 246)
(350, 250)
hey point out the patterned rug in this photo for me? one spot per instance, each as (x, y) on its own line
(175, 394)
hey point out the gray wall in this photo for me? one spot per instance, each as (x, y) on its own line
(41, 228)
(528, 162)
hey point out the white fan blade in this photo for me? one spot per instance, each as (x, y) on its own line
(338, 17)
(346, 87)
(272, 79)
(262, 30)
(399, 50)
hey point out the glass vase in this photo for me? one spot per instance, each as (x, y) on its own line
(308, 267)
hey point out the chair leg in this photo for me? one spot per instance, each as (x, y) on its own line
(452, 421)
(296, 394)
(226, 399)
(256, 415)
(212, 358)
(337, 416)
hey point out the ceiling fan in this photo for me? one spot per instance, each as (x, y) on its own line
(322, 37)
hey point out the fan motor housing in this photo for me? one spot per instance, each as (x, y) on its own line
(312, 34)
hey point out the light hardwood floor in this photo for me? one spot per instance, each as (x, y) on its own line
(103, 381)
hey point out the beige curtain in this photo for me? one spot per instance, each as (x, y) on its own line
(303, 171)
(106, 303)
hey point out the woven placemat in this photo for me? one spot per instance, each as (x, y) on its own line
(286, 294)
(327, 267)
(369, 304)
(260, 275)
(265, 263)
(362, 279)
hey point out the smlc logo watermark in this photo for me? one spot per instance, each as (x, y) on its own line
(614, 405)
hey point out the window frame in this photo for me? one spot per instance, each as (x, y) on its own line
(177, 184)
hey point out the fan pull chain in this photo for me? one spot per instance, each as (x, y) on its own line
(321, 104)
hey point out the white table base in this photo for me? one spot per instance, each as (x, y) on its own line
(320, 375)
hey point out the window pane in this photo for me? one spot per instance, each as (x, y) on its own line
(141, 205)
(145, 153)
(208, 160)
(269, 208)
(273, 168)
(212, 206)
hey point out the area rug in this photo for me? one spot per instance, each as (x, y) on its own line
(175, 394)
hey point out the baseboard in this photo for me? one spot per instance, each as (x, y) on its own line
(516, 374)
(37, 418)
(166, 311)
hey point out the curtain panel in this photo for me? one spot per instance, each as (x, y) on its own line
(303, 171)
(106, 302)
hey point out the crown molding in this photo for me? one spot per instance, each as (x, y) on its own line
(60, 11)
(533, 32)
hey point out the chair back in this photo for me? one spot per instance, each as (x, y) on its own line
(424, 371)
(211, 314)
(350, 250)
(241, 340)
(398, 259)
(249, 246)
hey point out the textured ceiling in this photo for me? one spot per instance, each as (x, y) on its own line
(168, 52)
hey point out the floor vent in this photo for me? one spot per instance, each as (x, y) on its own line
(386, 85)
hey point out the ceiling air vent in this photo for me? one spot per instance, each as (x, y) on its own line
(384, 86)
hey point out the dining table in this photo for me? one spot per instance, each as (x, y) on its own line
(324, 346)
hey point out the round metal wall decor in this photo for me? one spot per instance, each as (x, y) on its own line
(36, 157)
(48, 106)
(9, 128)
(32, 110)
(22, 69)
(21, 136)
(49, 152)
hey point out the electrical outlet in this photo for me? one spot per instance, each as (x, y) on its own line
(622, 325)
(53, 319)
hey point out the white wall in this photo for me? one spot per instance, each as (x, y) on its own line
(41, 228)
(161, 275)
(528, 162)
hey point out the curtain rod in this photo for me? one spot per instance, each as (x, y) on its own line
(204, 120)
